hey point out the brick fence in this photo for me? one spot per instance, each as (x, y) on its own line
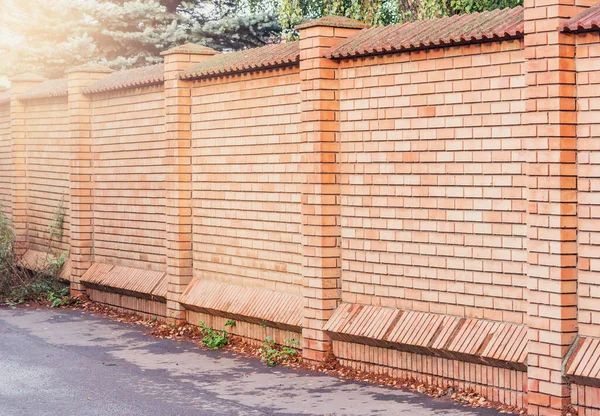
(421, 199)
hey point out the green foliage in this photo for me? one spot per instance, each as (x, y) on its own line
(18, 284)
(214, 338)
(50, 36)
(274, 354)
(61, 298)
(380, 12)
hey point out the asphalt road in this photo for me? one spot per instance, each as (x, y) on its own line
(68, 362)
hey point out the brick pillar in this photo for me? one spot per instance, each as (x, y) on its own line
(178, 162)
(321, 190)
(81, 170)
(18, 131)
(552, 202)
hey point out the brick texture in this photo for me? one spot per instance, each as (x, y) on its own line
(321, 189)
(48, 150)
(246, 180)
(498, 384)
(178, 163)
(18, 143)
(588, 182)
(432, 181)
(129, 177)
(551, 202)
(5, 161)
(81, 171)
(586, 399)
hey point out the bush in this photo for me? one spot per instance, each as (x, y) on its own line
(19, 284)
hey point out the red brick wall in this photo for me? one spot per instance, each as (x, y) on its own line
(5, 160)
(433, 202)
(246, 196)
(129, 190)
(588, 184)
(48, 149)
(441, 154)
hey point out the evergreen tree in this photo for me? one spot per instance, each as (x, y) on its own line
(49, 36)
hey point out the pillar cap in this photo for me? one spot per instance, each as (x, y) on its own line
(28, 77)
(333, 21)
(190, 49)
(90, 68)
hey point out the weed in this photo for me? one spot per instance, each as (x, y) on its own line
(273, 354)
(214, 338)
(61, 298)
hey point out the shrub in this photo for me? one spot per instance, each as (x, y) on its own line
(19, 284)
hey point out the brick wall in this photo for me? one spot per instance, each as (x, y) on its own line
(129, 191)
(246, 176)
(588, 184)
(428, 213)
(432, 181)
(5, 160)
(48, 147)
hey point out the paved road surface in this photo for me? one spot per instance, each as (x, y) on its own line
(72, 363)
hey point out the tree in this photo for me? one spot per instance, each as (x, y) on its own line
(380, 12)
(49, 36)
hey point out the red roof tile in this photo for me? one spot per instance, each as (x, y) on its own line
(460, 29)
(270, 56)
(333, 21)
(129, 78)
(5, 97)
(47, 89)
(588, 19)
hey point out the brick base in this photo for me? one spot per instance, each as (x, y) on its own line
(586, 399)
(252, 333)
(495, 384)
(145, 308)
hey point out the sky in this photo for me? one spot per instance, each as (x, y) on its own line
(7, 40)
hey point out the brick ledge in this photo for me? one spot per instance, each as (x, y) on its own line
(145, 284)
(34, 260)
(583, 365)
(472, 340)
(257, 306)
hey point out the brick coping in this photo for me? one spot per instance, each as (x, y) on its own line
(146, 284)
(482, 341)
(257, 306)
